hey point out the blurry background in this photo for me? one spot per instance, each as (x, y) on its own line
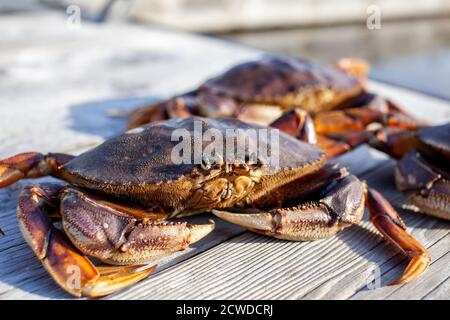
(406, 41)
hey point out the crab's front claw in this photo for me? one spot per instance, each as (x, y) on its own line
(340, 204)
(95, 229)
(18, 167)
(116, 237)
(215, 106)
(389, 223)
(73, 271)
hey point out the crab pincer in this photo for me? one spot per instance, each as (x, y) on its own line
(386, 219)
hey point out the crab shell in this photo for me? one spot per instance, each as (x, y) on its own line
(138, 166)
(286, 82)
(424, 173)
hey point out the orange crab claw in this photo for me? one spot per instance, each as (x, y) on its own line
(389, 223)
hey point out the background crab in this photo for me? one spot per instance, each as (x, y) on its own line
(273, 89)
(121, 192)
(424, 172)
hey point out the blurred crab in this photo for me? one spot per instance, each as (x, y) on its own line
(424, 171)
(344, 113)
(118, 195)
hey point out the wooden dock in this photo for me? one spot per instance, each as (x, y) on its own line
(57, 86)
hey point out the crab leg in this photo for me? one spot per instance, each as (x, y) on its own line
(215, 106)
(30, 165)
(349, 127)
(396, 142)
(389, 223)
(356, 67)
(308, 221)
(297, 123)
(426, 185)
(69, 268)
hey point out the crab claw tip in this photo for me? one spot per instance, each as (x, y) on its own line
(199, 231)
(258, 221)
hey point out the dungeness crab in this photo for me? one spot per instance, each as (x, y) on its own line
(120, 193)
(424, 172)
(273, 88)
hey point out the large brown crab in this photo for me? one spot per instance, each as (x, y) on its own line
(119, 193)
(424, 172)
(274, 88)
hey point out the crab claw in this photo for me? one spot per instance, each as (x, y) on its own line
(388, 222)
(309, 221)
(118, 238)
(73, 271)
(92, 228)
